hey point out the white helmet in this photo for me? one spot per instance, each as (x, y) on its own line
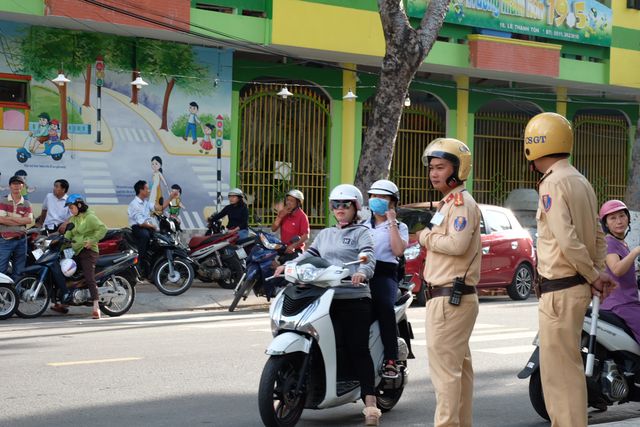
(347, 192)
(384, 187)
(296, 194)
(236, 192)
(68, 267)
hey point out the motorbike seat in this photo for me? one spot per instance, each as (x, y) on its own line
(404, 298)
(110, 259)
(245, 240)
(611, 318)
(204, 240)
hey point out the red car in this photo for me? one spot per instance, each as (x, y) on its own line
(508, 254)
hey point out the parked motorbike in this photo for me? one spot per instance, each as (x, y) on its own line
(8, 297)
(260, 266)
(302, 370)
(220, 255)
(55, 150)
(616, 370)
(36, 287)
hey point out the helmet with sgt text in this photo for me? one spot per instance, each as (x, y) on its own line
(347, 192)
(547, 134)
(456, 152)
(68, 267)
(296, 194)
(384, 187)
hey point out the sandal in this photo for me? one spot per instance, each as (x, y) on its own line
(389, 369)
(59, 308)
(371, 416)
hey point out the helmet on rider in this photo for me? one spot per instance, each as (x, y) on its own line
(296, 194)
(68, 267)
(347, 192)
(384, 187)
(236, 192)
(73, 199)
(610, 207)
(454, 151)
(547, 134)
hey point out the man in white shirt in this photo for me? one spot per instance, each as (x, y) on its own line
(54, 212)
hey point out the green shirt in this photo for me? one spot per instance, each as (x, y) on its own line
(87, 228)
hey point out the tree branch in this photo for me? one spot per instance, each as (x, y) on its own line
(431, 23)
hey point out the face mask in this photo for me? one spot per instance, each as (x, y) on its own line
(378, 206)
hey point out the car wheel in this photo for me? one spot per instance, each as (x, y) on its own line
(522, 283)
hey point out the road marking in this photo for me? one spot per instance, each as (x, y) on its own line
(497, 337)
(91, 362)
(197, 220)
(514, 349)
(98, 182)
(128, 134)
(199, 160)
(208, 177)
(95, 172)
(95, 165)
(207, 169)
(486, 326)
(100, 190)
(186, 219)
(230, 325)
(150, 136)
(500, 330)
(106, 200)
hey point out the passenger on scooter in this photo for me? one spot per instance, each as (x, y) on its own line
(292, 222)
(88, 230)
(391, 238)
(236, 212)
(351, 310)
(620, 260)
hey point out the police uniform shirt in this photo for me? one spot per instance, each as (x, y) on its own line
(453, 245)
(570, 238)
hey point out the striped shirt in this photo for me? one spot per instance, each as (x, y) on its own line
(11, 209)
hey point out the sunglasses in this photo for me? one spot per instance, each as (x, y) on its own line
(341, 204)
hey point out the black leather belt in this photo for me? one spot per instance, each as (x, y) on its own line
(549, 285)
(445, 291)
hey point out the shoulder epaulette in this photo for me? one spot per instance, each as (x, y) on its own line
(458, 199)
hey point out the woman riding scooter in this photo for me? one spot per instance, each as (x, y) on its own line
(351, 309)
(237, 213)
(620, 260)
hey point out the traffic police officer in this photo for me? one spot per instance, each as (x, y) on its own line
(571, 253)
(452, 270)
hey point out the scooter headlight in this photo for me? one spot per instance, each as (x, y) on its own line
(307, 272)
(412, 252)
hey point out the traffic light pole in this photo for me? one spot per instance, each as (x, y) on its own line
(99, 118)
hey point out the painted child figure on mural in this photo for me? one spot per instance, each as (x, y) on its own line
(157, 180)
(26, 190)
(176, 203)
(192, 123)
(41, 134)
(53, 131)
(206, 144)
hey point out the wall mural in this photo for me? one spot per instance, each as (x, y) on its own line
(100, 132)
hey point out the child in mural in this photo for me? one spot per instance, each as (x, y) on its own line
(25, 188)
(176, 204)
(206, 144)
(192, 122)
(41, 134)
(157, 180)
(53, 131)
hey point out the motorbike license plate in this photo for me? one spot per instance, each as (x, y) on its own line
(242, 254)
(37, 253)
(68, 253)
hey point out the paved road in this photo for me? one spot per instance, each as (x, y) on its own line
(203, 367)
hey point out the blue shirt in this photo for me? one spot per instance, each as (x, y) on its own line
(139, 211)
(382, 241)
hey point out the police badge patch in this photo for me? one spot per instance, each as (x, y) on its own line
(546, 202)
(460, 223)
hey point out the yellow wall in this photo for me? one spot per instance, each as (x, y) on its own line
(624, 63)
(623, 17)
(324, 27)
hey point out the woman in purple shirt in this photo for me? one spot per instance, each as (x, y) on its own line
(623, 301)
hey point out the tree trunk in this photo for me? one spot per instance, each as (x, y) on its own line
(632, 198)
(87, 88)
(405, 50)
(165, 103)
(134, 88)
(64, 119)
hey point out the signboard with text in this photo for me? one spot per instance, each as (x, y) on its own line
(579, 21)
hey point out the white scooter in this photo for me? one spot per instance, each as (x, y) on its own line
(8, 297)
(615, 375)
(302, 368)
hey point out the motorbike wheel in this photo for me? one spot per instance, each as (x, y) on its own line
(56, 157)
(277, 401)
(173, 288)
(120, 304)
(536, 396)
(8, 301)
(242, 291)
(34, 308)
(232, 282)
(22, 158)
(389, 399)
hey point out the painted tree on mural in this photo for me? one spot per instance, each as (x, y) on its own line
(159, 61)
(46, 51)
(405, 50)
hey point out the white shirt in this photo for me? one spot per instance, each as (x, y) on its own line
(382, 241)
(57, 212)
(139, 211)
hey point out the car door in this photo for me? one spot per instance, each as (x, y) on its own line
(500, 246)
(487, 256)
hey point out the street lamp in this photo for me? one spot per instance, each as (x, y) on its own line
(61, 79)
(407, 101)
(284, 93)
(350, 96)
(138, 82)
